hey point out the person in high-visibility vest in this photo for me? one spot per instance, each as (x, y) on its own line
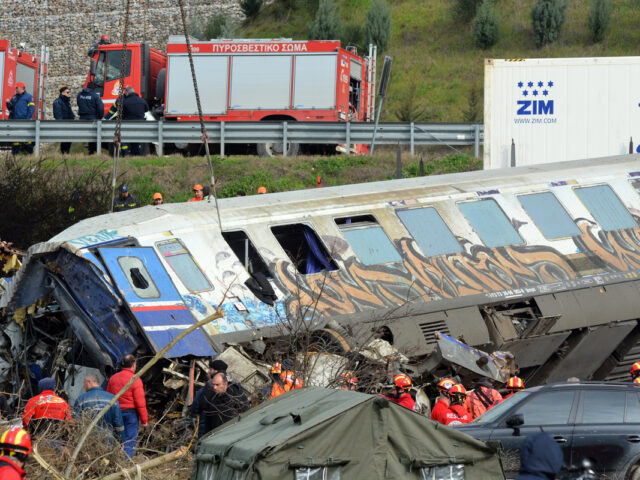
(286, 381)
(442, 405)
(15, 447)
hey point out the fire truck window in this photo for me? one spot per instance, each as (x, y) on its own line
(27, 75)
(114, 59)
(244, 249)
(304, 248)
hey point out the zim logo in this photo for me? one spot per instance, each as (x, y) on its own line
(536, 101)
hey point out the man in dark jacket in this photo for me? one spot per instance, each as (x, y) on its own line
(125, 201)
(540, 458)
(219, 404)
(21, 107)
(62, 111)
(133, 108)
(90, 107)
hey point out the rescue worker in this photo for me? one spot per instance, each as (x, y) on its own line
(125, 201)
(540, 458)
(157, 198)
(15, 447)
(483, 397)
(514, 385)
(45, 408)
(442, 404)
(90, 107)
(400, 394)
(635, 370)
(133, 108)
(93, 400)
(218, 403)
(21, 107)
(456, 414)
(62, 111)
(198, 193)
(132, 403)
(262, 190)
(104, 40)
(348, 381)
(286, 380)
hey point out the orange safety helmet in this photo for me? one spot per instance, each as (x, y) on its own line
(276, 368)
(636, 381)
(402, 381)
(458, 390)
(15, 442)
(445, 384)
(635, 370)
(515, 384)
(262, 190)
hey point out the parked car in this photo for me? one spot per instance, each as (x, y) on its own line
(590, 420)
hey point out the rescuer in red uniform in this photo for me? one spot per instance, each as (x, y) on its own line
(442, 405)
(45, 407)
(514, 385)
(15, 447)
(400, 394)
(456, 414)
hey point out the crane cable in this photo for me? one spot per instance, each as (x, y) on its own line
(116, 136)
(203, 130)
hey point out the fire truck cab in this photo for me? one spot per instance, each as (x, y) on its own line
(17, 66)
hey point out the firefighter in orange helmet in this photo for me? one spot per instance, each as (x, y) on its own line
(514, 385)
(635, 370)
(401, 387)
(456, 414)
(348, 381)
(286, 380)
(15, 447)
(442, 405)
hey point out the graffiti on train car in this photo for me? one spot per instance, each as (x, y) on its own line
(614, 251)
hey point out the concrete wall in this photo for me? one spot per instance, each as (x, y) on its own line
(70, 27)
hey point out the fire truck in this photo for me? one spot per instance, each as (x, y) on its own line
(18, 66)
(244, 80)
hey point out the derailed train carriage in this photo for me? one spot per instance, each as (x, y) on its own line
(541, 261)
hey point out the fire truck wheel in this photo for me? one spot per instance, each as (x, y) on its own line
(276, 150)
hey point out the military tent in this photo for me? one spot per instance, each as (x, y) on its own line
(323, 434)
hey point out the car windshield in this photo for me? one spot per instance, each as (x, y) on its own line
(497, 411)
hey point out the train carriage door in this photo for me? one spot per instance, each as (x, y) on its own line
(154, 300)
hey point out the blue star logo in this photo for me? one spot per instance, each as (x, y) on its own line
(535, 93)
(525, 93)
(545, 92)
(530, 84)
(550, 84)
(520, 84)
(540, 84)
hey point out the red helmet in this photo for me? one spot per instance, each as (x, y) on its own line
(636, 381)
(445, 384)
(104, 37)
(458, 390)
(515, 384)
(20, 84)
(276, 368)
(635, 370)
(402, 381)
(15, 441)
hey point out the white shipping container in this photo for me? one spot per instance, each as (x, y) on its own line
(557, 109)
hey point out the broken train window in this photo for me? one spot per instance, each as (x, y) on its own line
(182, 263)
(317, 473)
(368, 239)
(138, 277)
(443, 472)
(304, 248)
(244, 249)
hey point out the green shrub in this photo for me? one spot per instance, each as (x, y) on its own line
(485, 26)
(326, 25)
(353, 34)
(251, 8)
(465, 10)
(473, 112)
(216, 26)
(599, 19)
(378, 25)
(548, 17)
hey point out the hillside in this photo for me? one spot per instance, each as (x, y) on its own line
(436, 66)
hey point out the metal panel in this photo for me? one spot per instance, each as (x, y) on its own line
(260, 82)
(28, 76)
(429, 231)
(468, 324)
(490, 223)
(314, 84)
(591, 351)
(549, 215)
(161, 313)
(606, 207)
(356, 70)
(2, 54)
(212, 77)
(372, 245)
(530, 352)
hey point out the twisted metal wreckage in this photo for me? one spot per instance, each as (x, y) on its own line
(541, 261)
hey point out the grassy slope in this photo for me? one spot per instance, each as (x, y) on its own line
(434, 52)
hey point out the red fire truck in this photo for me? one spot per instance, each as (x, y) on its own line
(245, 80)
(17, 66)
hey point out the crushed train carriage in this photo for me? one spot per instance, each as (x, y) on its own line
(542, 261)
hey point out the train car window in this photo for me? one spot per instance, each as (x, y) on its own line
(244, 249)
(304, 248)
(138, 277)
(606, 207)
(368, 240)
(549, 215)
(429, 231)
(178, 257)
(490, 223)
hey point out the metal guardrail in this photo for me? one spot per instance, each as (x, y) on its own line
(163, 132)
